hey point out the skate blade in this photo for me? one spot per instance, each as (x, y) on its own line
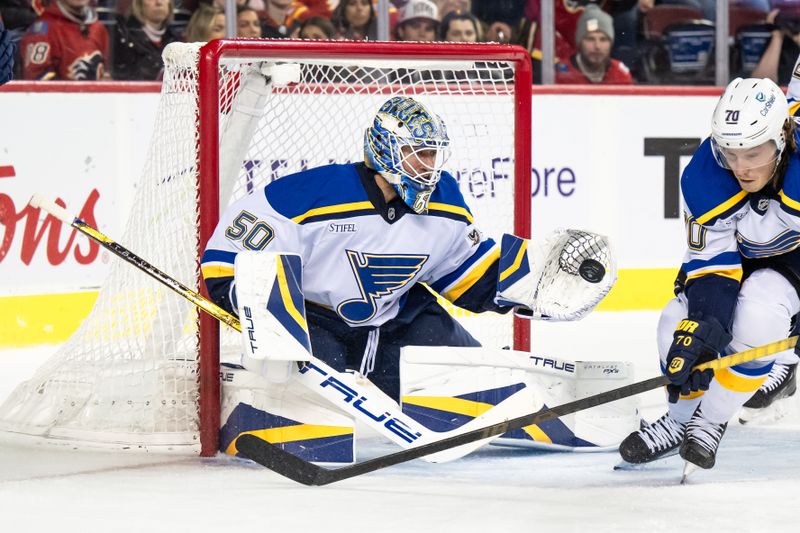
(688, 469)
(765, 416)
(626, 466)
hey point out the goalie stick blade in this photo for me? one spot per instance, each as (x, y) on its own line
(280, 461)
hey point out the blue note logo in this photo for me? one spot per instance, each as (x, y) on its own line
(378, 275)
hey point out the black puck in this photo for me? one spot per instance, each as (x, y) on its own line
(592, 271)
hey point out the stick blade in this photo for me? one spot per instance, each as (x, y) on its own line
(281, 461)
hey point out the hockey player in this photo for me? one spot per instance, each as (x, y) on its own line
(739, 282)
(369, 234)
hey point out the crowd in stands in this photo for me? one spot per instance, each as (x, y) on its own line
(596, 41)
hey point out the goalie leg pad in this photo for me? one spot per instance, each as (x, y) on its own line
(446, 387)
(285, 414)
(269, 296)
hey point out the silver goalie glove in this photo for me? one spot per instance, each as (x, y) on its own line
(563, 277)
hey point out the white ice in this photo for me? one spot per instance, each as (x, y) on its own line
(754, 486)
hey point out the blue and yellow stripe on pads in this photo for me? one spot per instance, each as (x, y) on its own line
(444, 413)
(742, 379)
(311, 442)
(725, 208)
(513, 261)
(300, 432)
(454, 212)
(286, 299)
(335, 211)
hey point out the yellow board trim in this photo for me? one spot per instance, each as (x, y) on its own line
(517, 261)
(340, 208)
(216, 271)
(292, 434)
(438, 206)
(478, 270)
(42, 319)
(721, 208)
(537, 434)
(283, 285)
(737, 382)
(450, 405)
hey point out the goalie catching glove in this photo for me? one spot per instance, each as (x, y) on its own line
(561, 278)
(694, 342)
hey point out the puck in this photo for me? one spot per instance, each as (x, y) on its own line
(592, 271)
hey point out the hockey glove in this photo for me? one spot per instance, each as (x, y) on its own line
(694, 342)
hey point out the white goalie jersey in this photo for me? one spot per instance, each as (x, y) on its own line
(360, 255)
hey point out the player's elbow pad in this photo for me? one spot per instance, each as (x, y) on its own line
(562, 278)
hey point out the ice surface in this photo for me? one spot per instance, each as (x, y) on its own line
(752, 488)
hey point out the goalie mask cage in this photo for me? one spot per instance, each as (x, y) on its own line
(142, 370)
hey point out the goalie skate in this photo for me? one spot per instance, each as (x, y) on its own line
(769, 404)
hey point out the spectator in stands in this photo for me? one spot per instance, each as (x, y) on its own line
(207, 23)
(779, 57)
(6, 55)
(594, 37)
(141, 37)
(355, 19)
(460, 27)
(317, 28)
(503, 19)
(248, 25)
(281, 18)
(419, 21)
(66, 43)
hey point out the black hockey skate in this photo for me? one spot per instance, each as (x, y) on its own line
(781, 383)
(701, 441)
(653, 441)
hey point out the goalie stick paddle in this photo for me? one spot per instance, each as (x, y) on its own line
(292, 467)
(286, 464)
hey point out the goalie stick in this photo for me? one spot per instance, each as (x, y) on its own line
(296, 469)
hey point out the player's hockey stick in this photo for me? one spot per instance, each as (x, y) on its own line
(290, 466)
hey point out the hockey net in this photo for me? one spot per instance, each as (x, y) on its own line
(142, 370)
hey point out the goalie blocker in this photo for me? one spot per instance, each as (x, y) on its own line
(312, 410)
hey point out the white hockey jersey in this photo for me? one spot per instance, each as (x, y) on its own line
(731, 233)
(360, 255)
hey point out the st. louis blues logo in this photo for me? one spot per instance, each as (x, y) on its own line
(377, 275)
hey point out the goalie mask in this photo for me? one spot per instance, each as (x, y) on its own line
(747, 129)
(408, 145)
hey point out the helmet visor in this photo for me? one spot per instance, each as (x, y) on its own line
(744, 159)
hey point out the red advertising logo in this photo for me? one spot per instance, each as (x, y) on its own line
(34, 231)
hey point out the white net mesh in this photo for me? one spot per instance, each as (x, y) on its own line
(128, 375)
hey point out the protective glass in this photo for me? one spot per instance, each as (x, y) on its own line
(742, 159)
